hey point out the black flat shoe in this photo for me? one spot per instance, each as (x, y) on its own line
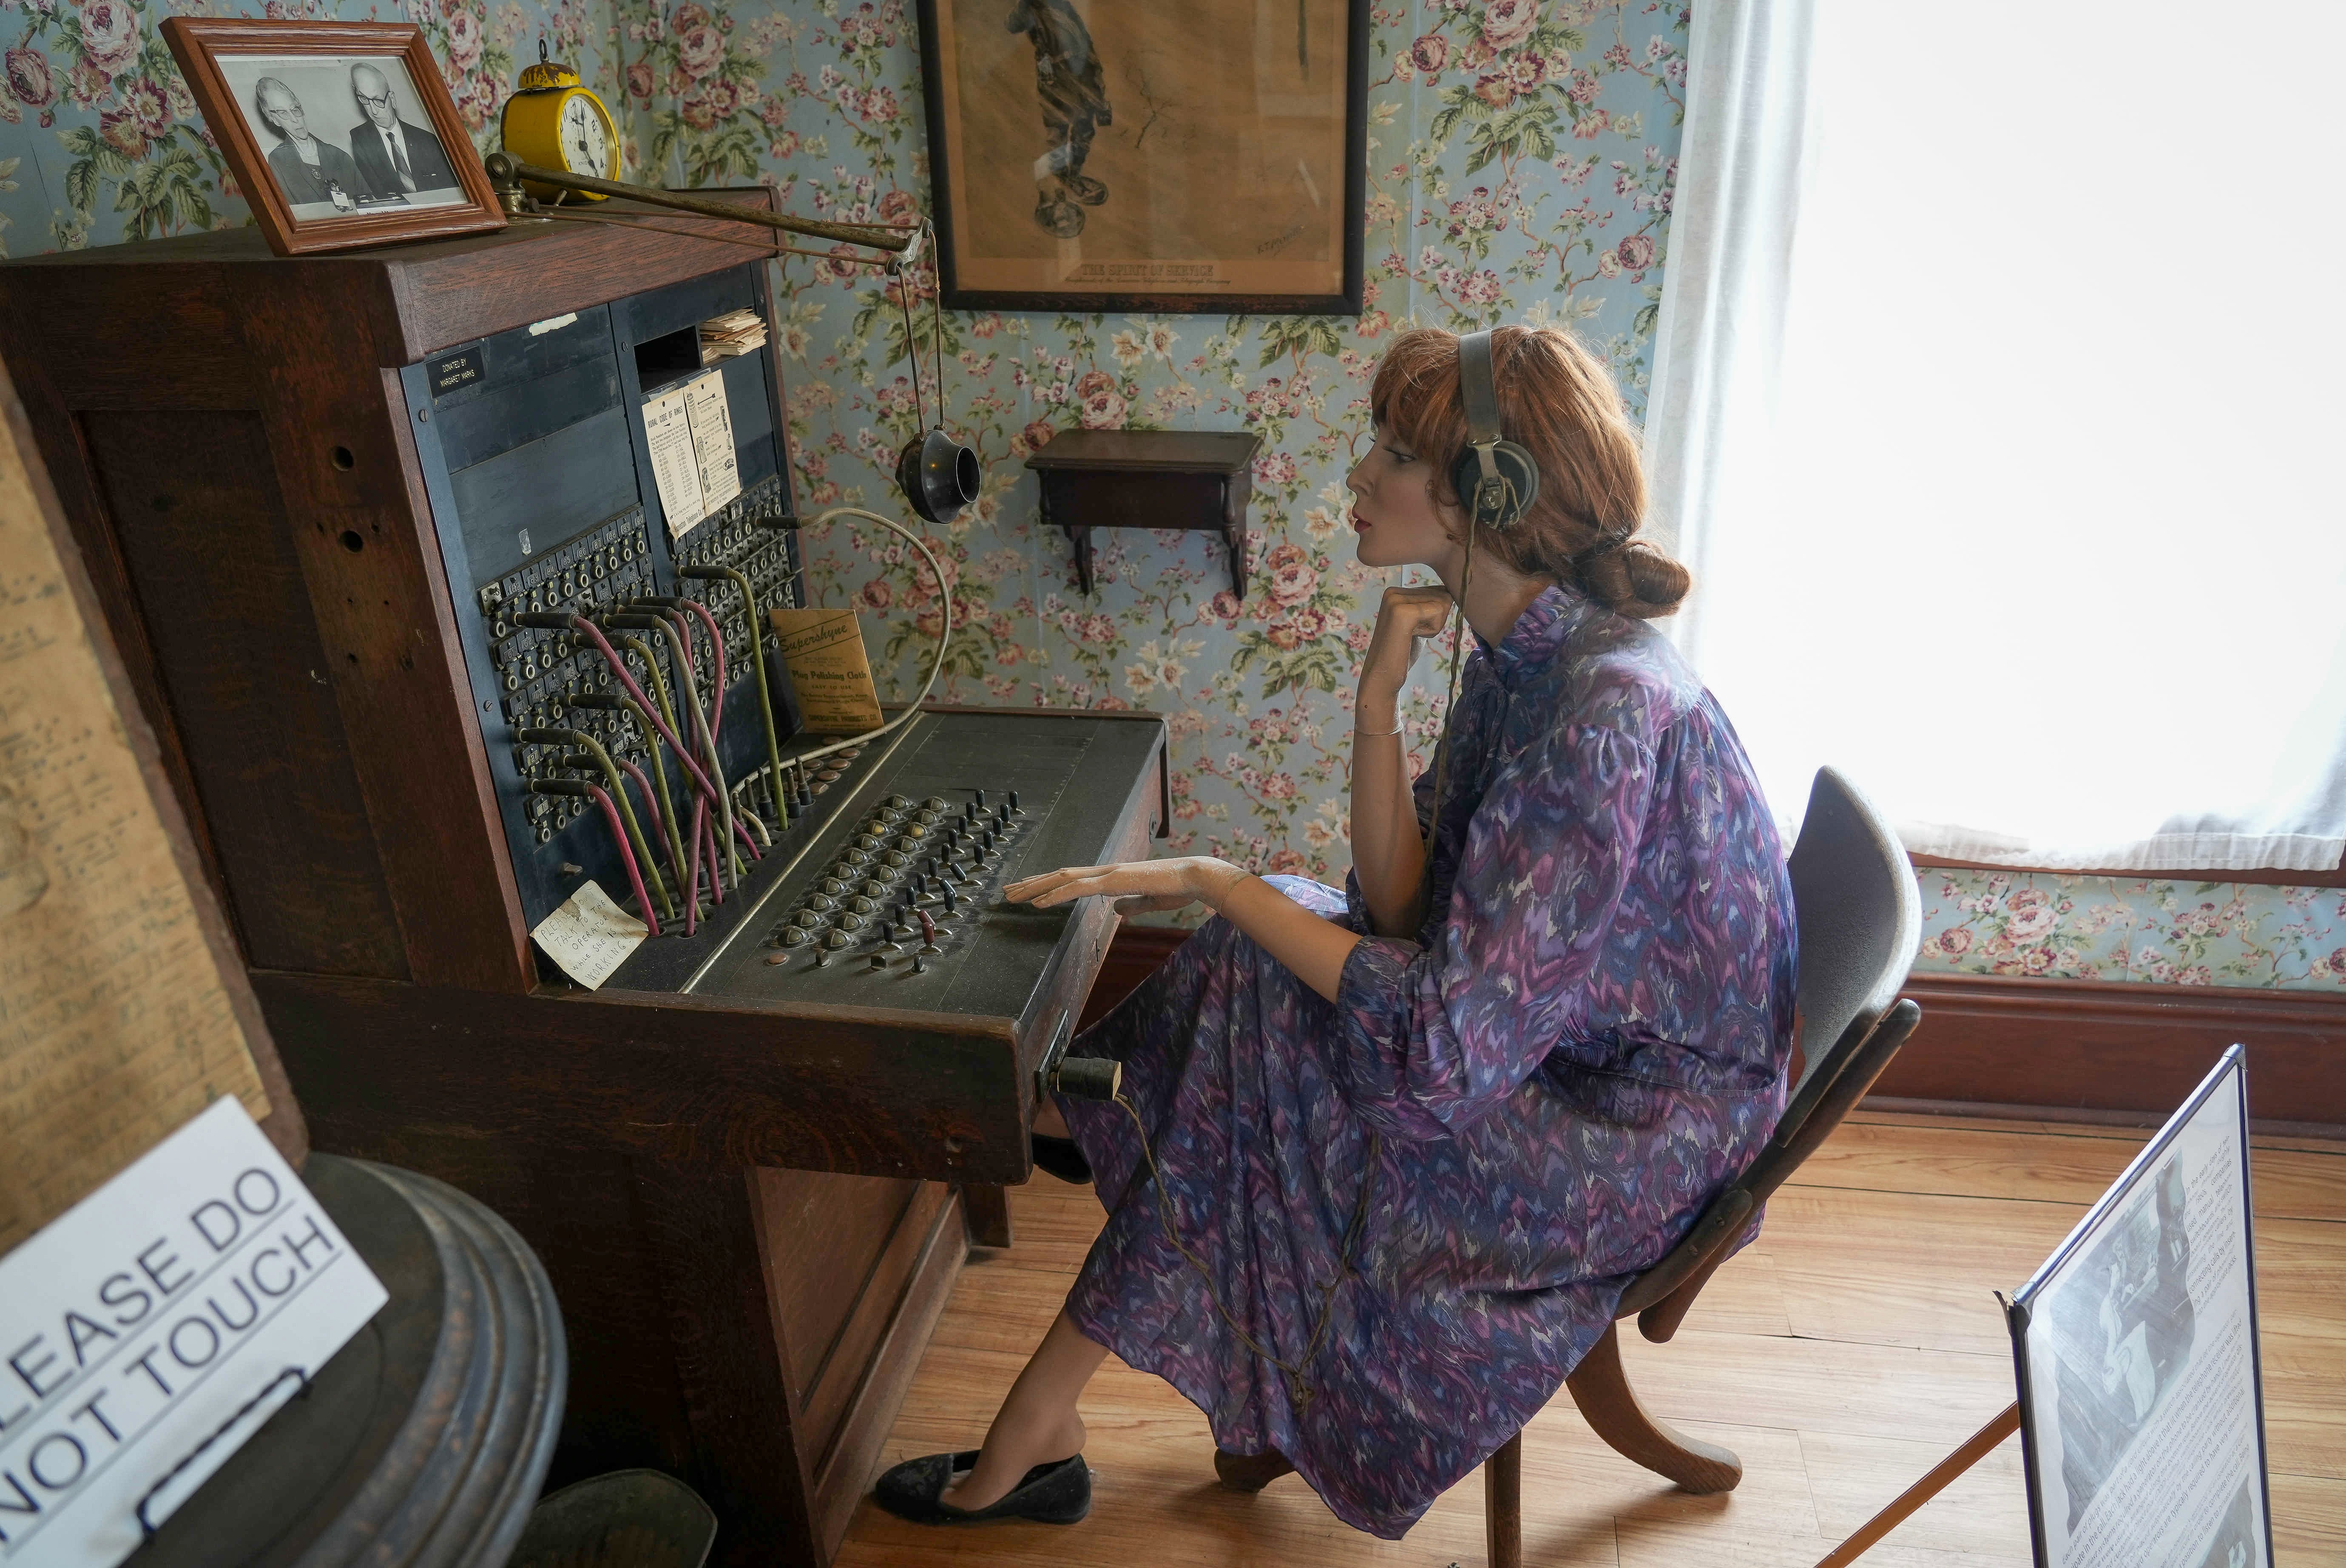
(1062, 1158)
(1056, 1493)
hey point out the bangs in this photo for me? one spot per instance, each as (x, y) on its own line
(1414, 396)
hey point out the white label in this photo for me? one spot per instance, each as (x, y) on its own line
(589, 936)
(137, 1322)
(675, 467)
(551, 324)
(713, 439)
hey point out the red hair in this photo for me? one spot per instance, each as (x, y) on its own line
(1557, 401)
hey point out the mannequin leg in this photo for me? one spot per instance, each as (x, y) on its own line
(1038, 1423)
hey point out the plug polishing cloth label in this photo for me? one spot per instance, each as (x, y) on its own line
(823, 650)
(185, 1300)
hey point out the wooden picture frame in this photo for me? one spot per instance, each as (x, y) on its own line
(403, 180)
(1209, 157)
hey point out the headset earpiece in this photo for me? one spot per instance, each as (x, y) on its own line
(1497, 480)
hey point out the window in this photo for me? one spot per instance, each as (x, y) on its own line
(2045, 538)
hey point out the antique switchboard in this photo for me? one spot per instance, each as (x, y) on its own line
(388, 545)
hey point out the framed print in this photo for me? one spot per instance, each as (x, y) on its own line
(2141, 1392)
(340, 133)
(1108, 155)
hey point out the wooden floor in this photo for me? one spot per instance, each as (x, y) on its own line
(1841, 1355)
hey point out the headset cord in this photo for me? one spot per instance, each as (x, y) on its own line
(1299, 1392)
(1450, 707)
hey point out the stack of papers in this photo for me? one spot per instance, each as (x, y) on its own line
(734, 333)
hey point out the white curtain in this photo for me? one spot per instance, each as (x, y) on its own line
(2034, 526)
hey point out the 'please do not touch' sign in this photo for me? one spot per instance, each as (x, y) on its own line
(183, 1301)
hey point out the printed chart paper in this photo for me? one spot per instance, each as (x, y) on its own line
(712, 439)
(675, 467)
(135, 1324)
(691, 430)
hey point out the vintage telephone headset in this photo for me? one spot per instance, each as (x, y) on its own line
(1496, 481)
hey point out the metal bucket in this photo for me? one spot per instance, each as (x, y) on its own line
(627, 1519)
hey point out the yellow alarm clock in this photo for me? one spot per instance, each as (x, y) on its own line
(554, 123)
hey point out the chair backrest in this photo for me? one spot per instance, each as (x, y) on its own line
(1859, 919)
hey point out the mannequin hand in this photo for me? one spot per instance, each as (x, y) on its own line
(1404, 620)
(1137, 885)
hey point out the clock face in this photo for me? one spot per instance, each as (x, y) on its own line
(585, 147)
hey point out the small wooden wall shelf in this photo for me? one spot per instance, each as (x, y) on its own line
(1149, 479)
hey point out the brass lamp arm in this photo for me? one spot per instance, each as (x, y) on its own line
(506, 172)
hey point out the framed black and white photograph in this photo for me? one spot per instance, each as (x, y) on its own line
(1207, 157)
(340, 134)
(2141, 1398)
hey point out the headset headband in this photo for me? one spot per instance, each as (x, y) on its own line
(1495, 479)
(1478, 386)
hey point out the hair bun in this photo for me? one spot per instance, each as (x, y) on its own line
(1656, 581)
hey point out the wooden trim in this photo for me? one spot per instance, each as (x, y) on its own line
(2266, 877)
(845, 1472)
(2050, 1048)
(2267, 1132)
(2084, 1045)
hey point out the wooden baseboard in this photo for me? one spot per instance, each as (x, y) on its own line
(2070, 1118)
(2079, 1045)
(2044, 1047)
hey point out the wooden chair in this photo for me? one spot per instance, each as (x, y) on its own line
(1860, 921)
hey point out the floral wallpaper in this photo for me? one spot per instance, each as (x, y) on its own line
(1521, 162)
(1521, 159)
(2124, 929)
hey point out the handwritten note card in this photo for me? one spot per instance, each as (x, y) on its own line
(114, 1025)
(144, 1320)
(589, 936)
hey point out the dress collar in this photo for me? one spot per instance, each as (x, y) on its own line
(1538, 633)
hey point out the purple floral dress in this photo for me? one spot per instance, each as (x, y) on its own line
(1426, 1198)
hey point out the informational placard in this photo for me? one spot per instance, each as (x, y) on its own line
(689, 428)
(590, 935)
(830, 670)
(2142, 1409)
(151, 1328)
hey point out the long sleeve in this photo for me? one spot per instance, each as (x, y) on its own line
(1434, 1036)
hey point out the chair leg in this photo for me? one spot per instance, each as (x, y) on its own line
(1600, 1387)
(1502, 1503)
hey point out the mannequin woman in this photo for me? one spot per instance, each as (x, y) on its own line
(1406, 1142)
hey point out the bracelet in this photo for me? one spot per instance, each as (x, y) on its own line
(1357, 730)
